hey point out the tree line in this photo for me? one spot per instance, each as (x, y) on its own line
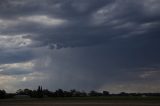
(40, 93)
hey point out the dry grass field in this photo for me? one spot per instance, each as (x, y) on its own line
(50, 102)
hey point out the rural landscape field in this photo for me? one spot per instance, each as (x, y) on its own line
(44, 97)
(50, 102)
(79, 52)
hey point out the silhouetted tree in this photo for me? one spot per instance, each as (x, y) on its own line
(59, 93)
(94, 93)
(20, 92)
(39, 92)
(105, 93)
(124, 94)
(28, 92)
(2, 94)
(48, 93)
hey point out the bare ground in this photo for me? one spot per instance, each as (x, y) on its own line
(78, 103)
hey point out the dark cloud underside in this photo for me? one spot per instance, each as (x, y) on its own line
(82, 44)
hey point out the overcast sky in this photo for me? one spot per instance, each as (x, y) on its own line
(80, 44)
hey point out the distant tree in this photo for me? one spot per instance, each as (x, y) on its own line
(28, 92)
(83, 94)
(2, 94)
(34, 93)
(20, 92)
(39, 92)
(48, 93)
(59, 93)
(105, 93)
(123, 94)
(77, 94)
(67, 93)
(10, 95)
(94, 93)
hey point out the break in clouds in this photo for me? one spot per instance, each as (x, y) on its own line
(83, 44)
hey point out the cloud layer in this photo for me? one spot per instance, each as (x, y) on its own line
(98, 44)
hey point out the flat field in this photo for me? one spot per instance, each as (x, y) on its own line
(76, 102)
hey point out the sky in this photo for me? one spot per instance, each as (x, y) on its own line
(86, 45)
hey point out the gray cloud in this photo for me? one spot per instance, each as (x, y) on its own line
(97, 23)
(15, 71)
(15, 56)
(82, 44)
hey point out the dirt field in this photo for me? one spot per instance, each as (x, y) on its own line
(77, 103)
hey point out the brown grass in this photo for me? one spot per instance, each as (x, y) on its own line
(41, 102)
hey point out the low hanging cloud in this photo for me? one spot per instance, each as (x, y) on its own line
(17, 41)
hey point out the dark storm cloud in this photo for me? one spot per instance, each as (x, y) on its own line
(68, 10)
(15, 56)
(99, 42)
(14, 71)
(88, 23)
(58, 8)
